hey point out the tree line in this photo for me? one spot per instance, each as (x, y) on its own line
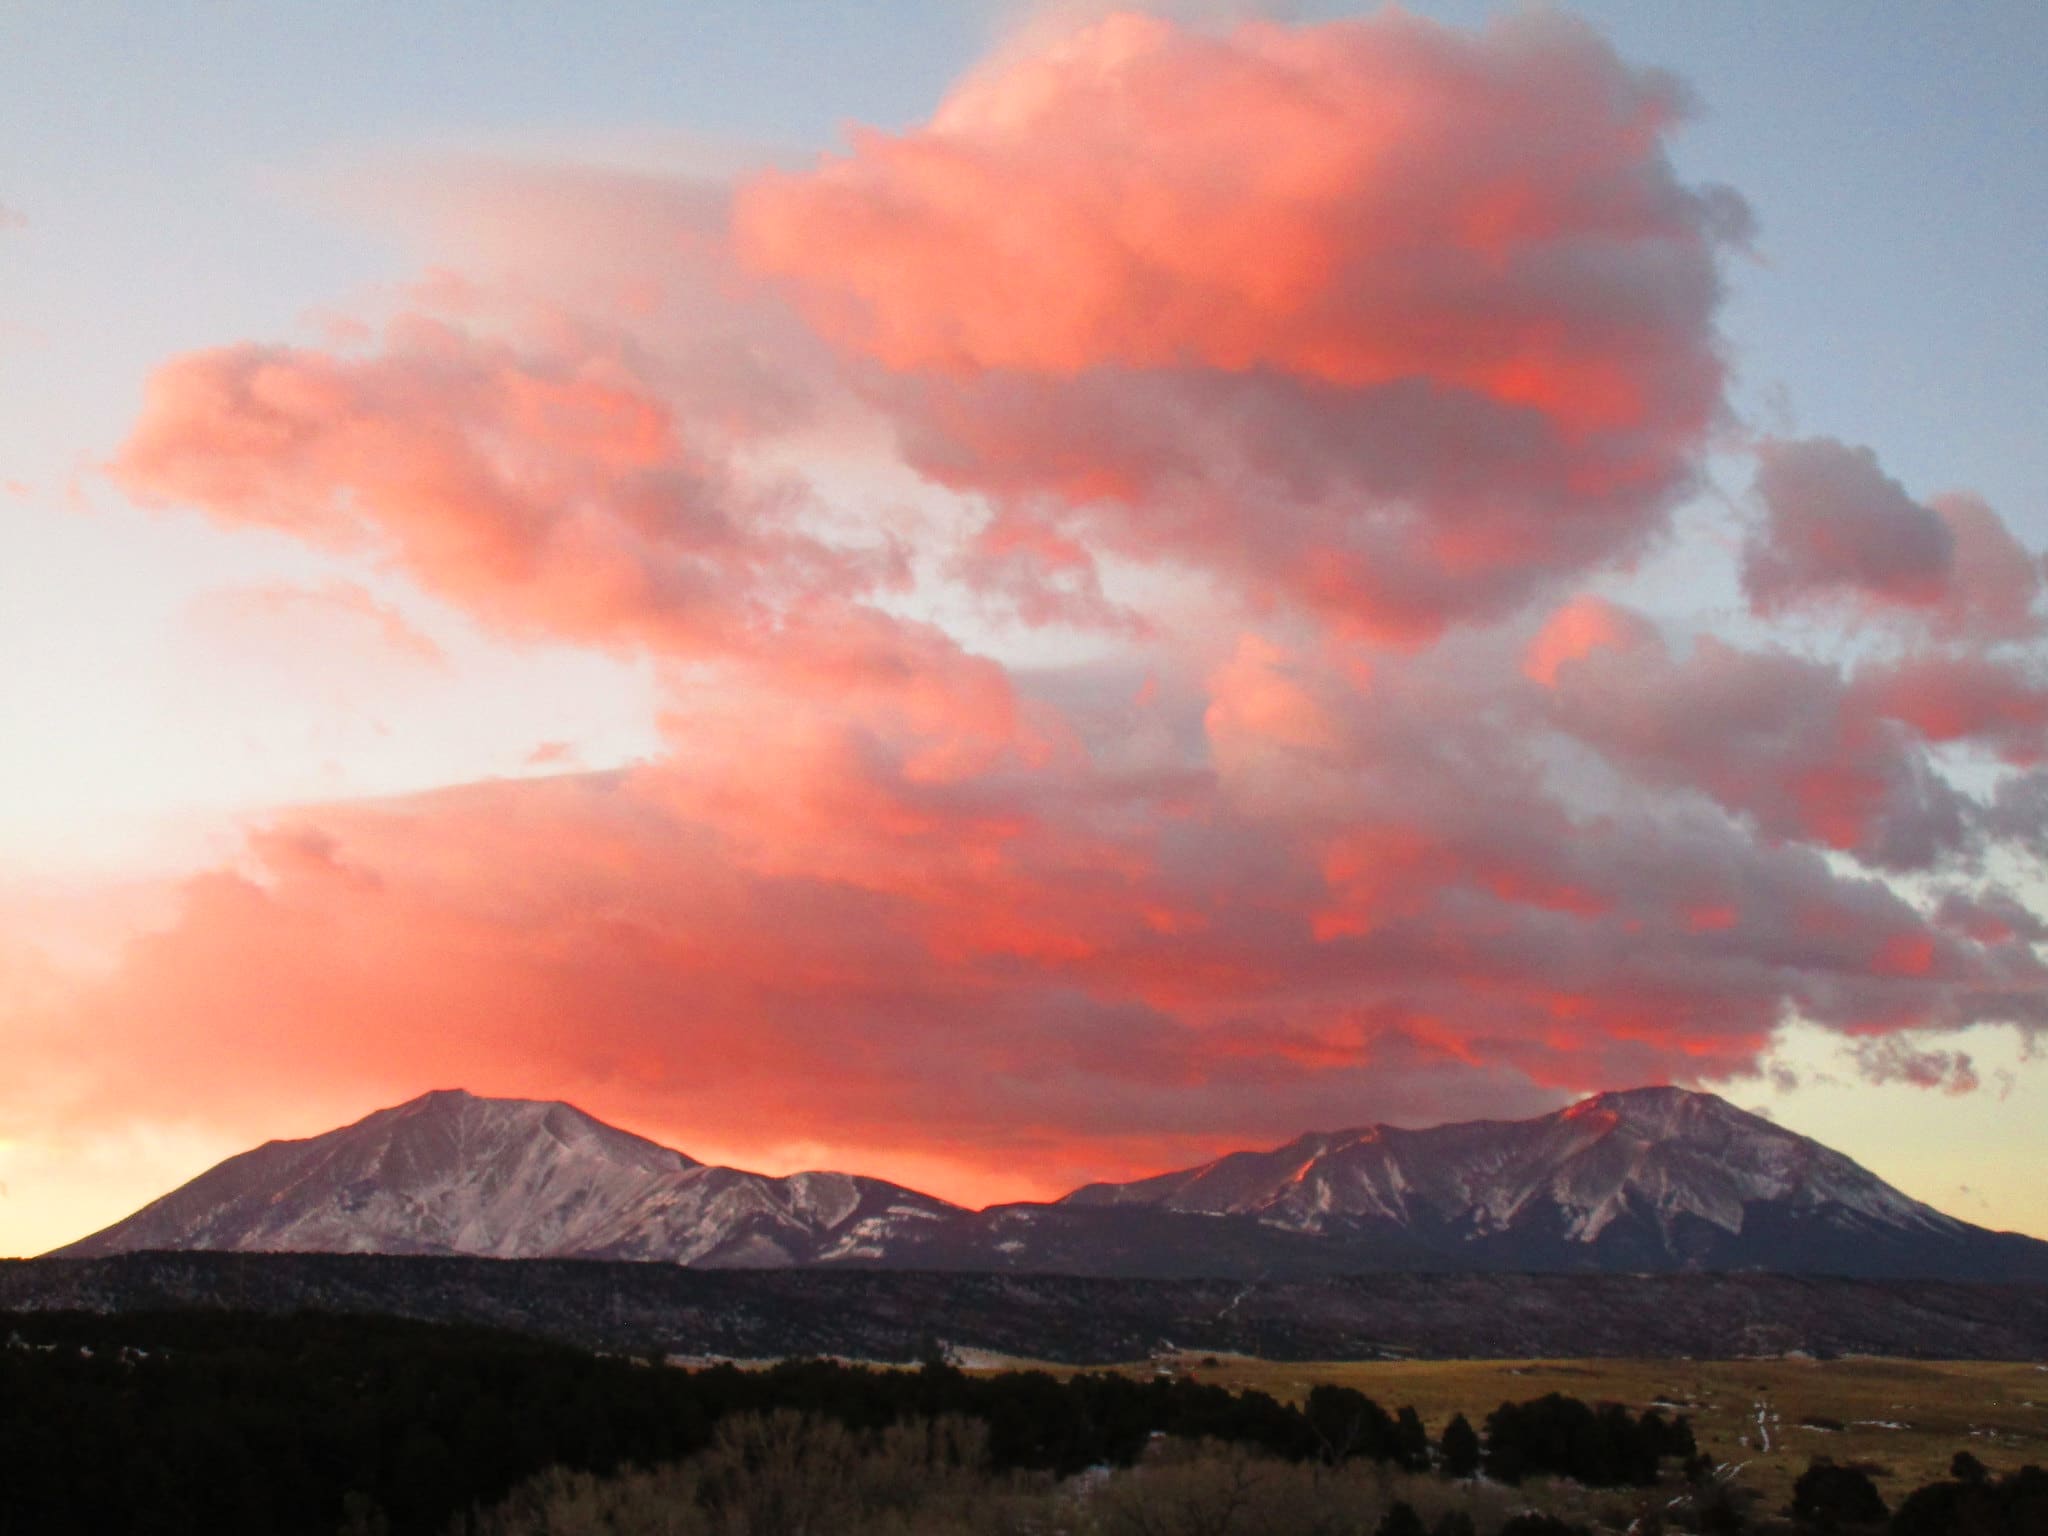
(223, 1423)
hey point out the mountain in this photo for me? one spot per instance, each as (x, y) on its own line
(1652, 1179)
(451, 1173)
(1647, 1179)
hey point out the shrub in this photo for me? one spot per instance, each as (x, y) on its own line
(1833, 1498)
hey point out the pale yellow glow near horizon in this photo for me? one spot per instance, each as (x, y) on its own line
(1977, 1156)
(52, 1195)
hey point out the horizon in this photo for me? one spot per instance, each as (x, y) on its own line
(1019, 594)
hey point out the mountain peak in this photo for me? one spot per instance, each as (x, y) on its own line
(1662, 1109)
(1651, 1093)
(453, 1172)
(434, 1101)
(457, 1099)
(462, 1113)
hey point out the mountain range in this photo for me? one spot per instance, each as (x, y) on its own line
(1644, 1180)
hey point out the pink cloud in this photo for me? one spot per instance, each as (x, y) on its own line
(304, 615)
(1996, 704)
(1995, 589)
(1989, 916)
(1839, 532)
(1577, 630)
(548, 488)
(1783, 741)
(931, 916)
(1374, 330)
(552, 754)
(1413, 215)
(1445, 337)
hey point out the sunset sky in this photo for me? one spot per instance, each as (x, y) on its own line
(1000, 595)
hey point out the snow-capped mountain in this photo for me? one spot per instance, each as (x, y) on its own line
(1654, 1179)
(514, 1178)
(1650, 1178)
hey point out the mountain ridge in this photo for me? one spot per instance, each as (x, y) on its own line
(1638, 1134)
(1648, 1179)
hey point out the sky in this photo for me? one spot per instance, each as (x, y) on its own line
(1000, 596)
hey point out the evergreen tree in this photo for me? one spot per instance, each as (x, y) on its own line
(1411, 1440)
(1461, 1448)
(1345, 1423)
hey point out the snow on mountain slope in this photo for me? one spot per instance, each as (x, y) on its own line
(510, 1178)
(1646, 1155)
(1651, 1179)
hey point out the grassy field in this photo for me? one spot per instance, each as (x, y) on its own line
(1902, 1418)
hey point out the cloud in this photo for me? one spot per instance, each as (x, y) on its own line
(548, 488)
(1996, 704)
(1839, 532)
(1990, 916)
(341, 612)
(1896, 1060)
(1579, 629)
(552, 754)
(1784, 741)
(1838, 525)
(1447, 337)
(1369, 345)
(1995, 589)
(918, 904)
(2019, 812)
